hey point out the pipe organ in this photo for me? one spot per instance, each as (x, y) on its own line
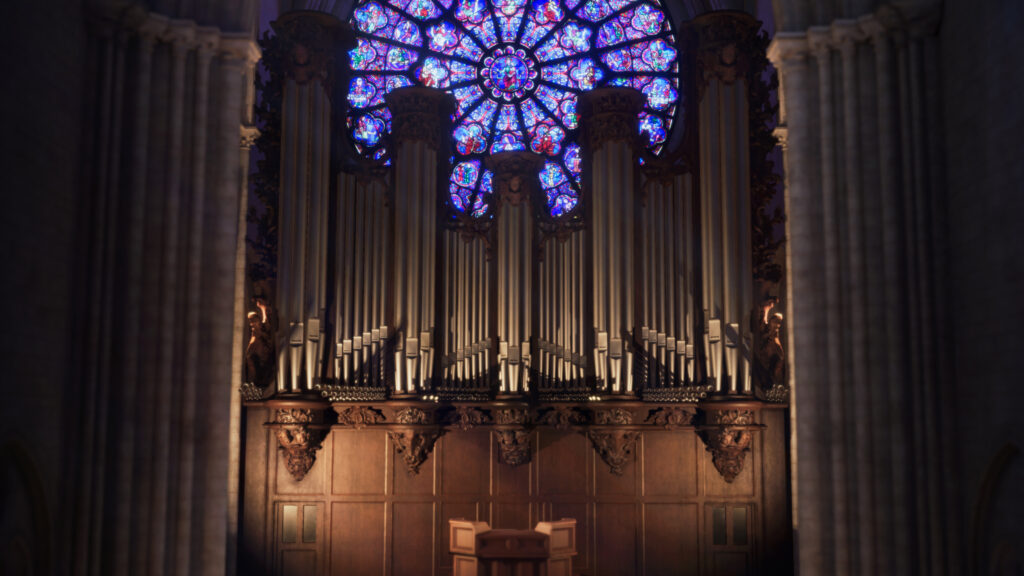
(645, 293)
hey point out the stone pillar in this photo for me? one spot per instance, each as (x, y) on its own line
(610, 132)
(308, 41)
(723, 43)
(420, 134)
(516, 183)
(867, 348)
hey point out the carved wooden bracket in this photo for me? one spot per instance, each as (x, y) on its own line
(563, 417)
(414, 446)
(614, 446)
(300, 429)
(728, 433)
(359, 416)
(467, 417)
(514, 446)
(672, 417)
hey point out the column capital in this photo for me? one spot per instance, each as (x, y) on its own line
(239, 47)
(516, 175)
(722, 42)
(610, 114)
(308, 43)
(819, 41)
(420, 113)
(788, 48)
(846, 33)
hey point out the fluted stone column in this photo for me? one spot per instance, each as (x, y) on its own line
(870, 375)
(515, 182)
(609, 124)
(722, 42)
(164, 189)
(419, 135)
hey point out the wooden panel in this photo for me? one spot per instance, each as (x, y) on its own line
(448, 510)
(669, 465)
(580, 512)
(298, 562)
(513, 480)
(512, 515)
(413, 538)
(778, 534)
(730, 564)
(465, 462)
(406, 483)
(616, 539)
(357, 538)
(359, 463)
(671, 540)
(562, 463)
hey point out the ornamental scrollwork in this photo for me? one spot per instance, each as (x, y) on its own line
(468, 417)
(359, 417)
(672, 417)
(563, 417)
(414, 446)
(728, 447)
(507, 416)
(412, 416)
(613, 416)
(614, 447)
(514, 446)
(298, 439)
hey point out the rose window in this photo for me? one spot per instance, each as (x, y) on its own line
(515, 68)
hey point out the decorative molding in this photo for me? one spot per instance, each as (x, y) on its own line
(672, 417)
(516, 175)
(722, 43)
(610, 114)
(309, 42)
(512, 416)
(563, 417)
(359, 417)
(614, 447)
(514, 446)
(248, 136)
(414, 446)
(467, 417)
(420, 113)
(412, 415)
(612, 416)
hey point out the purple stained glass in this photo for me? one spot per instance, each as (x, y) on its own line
(515, 68)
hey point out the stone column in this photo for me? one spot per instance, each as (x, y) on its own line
(420, 134)
(723, 42)
(308, 44)
(610, 133)
(516, 183)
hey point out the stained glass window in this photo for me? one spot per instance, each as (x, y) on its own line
(515, 68)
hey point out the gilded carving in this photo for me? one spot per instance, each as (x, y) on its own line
(614, 447)
(468, 417)
(514, 446)
(414, 446)
(508, 416)
(613, 416)
(359, 416)
(610, 114)
(563, 417)
(672, 417)
(412, 416)
(420, 113)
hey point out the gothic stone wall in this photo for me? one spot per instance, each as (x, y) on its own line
(359, 512)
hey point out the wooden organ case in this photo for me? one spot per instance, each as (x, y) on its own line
(621, 367)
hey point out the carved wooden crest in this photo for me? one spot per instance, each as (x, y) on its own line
(614, 447)
(414, 446)
(514, 446)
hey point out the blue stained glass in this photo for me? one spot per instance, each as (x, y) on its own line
(515, 68)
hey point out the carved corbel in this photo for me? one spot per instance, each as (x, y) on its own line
(300, 429)
(728, 433)
(614, 446)
(513, 435)
(414, 446)
(563, 417)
